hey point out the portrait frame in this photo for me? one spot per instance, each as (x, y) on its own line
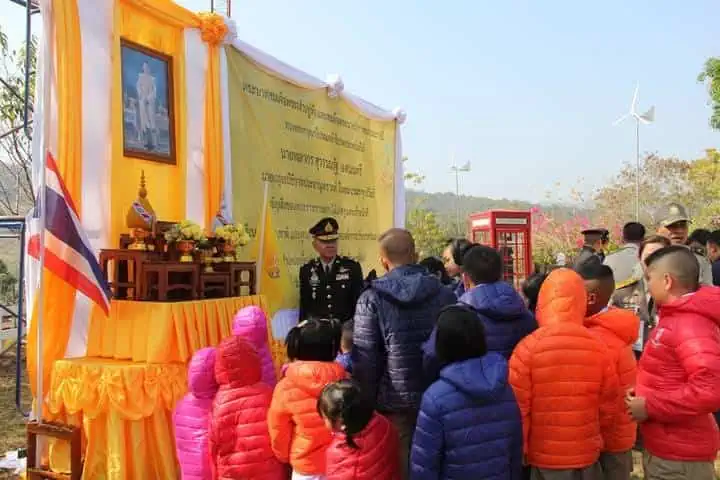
(155, 143)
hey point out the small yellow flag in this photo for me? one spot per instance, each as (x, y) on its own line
(275, 284)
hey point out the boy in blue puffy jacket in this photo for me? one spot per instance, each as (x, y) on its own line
(469, 425)
(502, 311)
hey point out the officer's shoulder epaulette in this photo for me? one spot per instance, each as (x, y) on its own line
(626, 283)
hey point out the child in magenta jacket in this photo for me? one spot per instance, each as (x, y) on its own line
(191, 417)
(251, 324)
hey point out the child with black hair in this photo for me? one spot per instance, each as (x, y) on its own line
(469, 425)
(618, 329)
(346, 343)
(436, 267)
(531, 289)
(678, 380)
(365, 443)
(298, 435)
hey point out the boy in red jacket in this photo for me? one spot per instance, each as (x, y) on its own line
(678, 383)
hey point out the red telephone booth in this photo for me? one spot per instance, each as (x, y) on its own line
(509, 232)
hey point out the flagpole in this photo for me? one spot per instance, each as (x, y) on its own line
(48, 53)
(261, 247)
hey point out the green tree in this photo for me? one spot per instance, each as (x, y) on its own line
(422, 222)
(429, 235)
(710, 76)
(16, 194)
(704, 177)
(8, 286)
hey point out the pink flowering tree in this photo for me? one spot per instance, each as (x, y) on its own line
(553, 235)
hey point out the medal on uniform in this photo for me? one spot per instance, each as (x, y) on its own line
(314, 282)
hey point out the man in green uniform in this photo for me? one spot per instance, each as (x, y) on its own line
(674, 224)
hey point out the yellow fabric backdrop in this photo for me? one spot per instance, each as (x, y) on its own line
(163, 332)
(321, 157)
(158, 26)
(58, 307)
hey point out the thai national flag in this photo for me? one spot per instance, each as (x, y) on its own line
(68, 253)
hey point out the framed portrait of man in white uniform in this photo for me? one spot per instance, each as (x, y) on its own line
(147, 99)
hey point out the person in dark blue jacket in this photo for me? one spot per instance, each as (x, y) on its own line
(500, 308)
(469, 425)
(393, 318)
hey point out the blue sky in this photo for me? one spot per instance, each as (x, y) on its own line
(525, 90)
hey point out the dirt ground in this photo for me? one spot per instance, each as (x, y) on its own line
(12, 422)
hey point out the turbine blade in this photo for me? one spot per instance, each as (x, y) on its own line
(633, 105)
(621, 119)
(649, 116)
(466, 167)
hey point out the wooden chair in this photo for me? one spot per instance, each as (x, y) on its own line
(214, 285)
(60, 432)
(165, 272)
(127, 273)
(242, 277)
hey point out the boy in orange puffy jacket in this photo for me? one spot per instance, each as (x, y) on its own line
(618, 330)
(565, 384)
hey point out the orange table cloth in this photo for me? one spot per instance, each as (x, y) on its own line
(163, 332)
(125, 409)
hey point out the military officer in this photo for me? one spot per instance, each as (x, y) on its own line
(330, 285)
(595, 240)
(674, 224)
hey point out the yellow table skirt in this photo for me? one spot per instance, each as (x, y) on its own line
(125, 410)
(163, 332)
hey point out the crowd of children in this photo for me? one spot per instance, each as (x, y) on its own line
(542, 385)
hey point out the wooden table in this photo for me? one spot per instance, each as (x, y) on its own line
(166, 272)
(127, 272)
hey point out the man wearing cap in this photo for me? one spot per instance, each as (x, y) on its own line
(674, 224)
(329, 284)
(595, 240)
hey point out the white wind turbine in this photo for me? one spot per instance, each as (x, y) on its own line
(644, 118)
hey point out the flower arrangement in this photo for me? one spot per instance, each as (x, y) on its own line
(234, 234)
(185, 231)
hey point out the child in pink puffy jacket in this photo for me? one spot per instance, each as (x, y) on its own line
(251, 324)
(191, 417)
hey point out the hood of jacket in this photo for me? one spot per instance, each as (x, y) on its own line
(482, 379)
(562, 299)
(201, 373)
(622, 323)
(313, 376)
(498, 301)
(251, 323)
(237, 362)
(407, 284)
(705, 302)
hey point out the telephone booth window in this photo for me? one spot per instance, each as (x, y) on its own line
(509, 232)
(482, 237)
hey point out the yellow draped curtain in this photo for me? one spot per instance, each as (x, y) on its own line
(58, 306)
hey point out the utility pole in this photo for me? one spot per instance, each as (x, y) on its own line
(458, 170)
(221, 6)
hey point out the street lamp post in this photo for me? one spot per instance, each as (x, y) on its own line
(458, 170)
